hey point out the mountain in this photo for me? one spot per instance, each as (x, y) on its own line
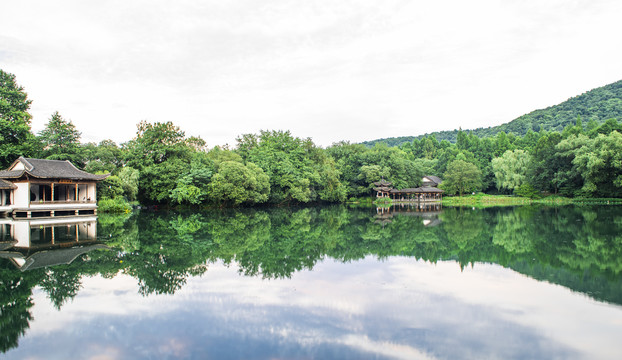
(598, 104)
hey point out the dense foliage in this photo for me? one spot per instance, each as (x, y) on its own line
(161, 165)
(15, 135)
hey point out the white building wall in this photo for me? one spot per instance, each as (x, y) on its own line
(21, 195)
(18, 166)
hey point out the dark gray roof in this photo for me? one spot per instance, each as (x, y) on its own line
(52, 257)
(7, 244)
(408, 190)
(383, 188)
(424, 189)
(429, 189)
(382, 183)
(45, 169)
(6, 185)
(436, 179)
(11, 174)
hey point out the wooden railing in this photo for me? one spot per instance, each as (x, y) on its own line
(60, 202)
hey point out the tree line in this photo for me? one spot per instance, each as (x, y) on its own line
(162, 165)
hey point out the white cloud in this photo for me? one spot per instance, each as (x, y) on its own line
(365, 305)
(347, 70)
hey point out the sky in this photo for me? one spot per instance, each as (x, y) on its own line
(324, 69)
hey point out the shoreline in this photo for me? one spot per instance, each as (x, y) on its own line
(483, 200)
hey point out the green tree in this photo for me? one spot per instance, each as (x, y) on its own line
(158, 180)
(511, 169)
(155, 143)
(129, 178)
(373, 173)
(599, 162)
(348, 161)
(15, 136)
(104, 157)
(544, 163)
(236, 183)
(61, 140)
(328, 185)
(461, 177)
(110, 188)
(567, 178)
(193, 186)
(289, 162)
(162, 155)
(395, 164)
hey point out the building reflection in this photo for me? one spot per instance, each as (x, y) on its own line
(36, 243)
(428, 212)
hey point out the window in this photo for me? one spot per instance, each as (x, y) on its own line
(5, 197)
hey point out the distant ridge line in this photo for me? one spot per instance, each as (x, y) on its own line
(598, 104)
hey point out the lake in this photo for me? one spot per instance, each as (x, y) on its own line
(330, 282)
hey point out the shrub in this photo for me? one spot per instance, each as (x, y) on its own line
(527, 191)
(116, 205)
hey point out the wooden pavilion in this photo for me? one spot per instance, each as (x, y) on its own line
(383, 188)
(47, 188)
(424, 193)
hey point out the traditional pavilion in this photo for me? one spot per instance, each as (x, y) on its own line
(47, 188)
(383, 188)
(428, 192)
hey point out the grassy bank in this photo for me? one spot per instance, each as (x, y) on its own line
(483, 200)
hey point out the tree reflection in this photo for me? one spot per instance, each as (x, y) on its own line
(15, 304)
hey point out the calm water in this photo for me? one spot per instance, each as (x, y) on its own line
(323, 283)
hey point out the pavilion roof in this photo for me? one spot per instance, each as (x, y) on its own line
(435, 179)
(383, 188)
(5, 185)
(418, 190)
(45, 169)
(382, 182)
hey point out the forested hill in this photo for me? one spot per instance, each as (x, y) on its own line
(598, 104)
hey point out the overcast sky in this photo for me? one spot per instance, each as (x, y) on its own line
(330, 70)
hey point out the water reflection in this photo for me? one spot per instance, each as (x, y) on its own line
(576, 247)
(34, 246)
(38, 243)
(428, 212)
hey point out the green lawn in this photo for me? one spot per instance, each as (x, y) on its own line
(483, 200)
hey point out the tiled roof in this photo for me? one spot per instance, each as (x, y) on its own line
(382, 183)
(45, 169)
(382, 188)
(436, 179)
(11, 174)
(4, 185)
(419, 190)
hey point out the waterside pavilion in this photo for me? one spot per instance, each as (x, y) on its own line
(428, 192)
(47, 188)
